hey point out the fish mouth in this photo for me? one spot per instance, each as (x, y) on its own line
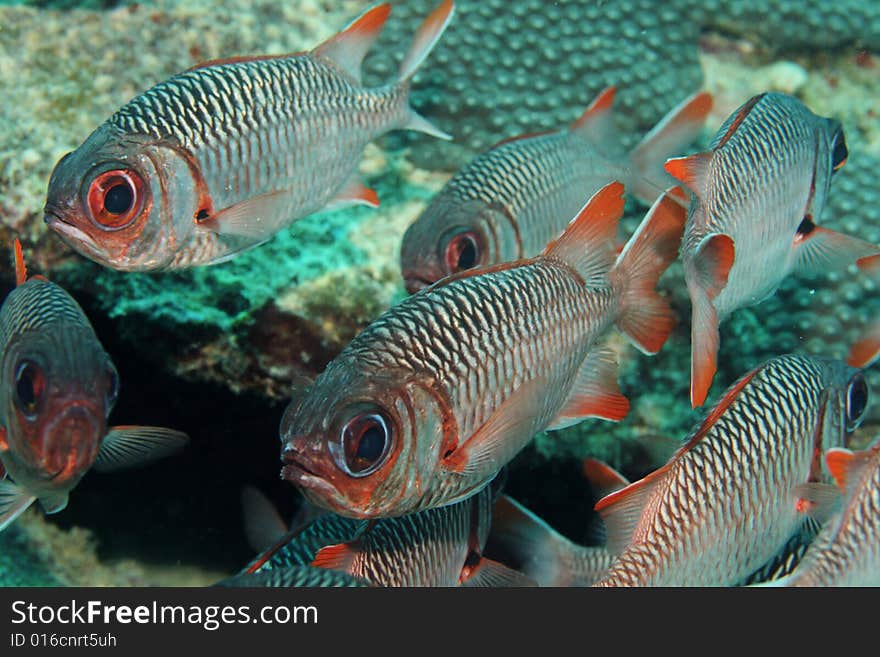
(67, 230)
(299, 474)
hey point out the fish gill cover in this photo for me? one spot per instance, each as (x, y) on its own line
(223, 343)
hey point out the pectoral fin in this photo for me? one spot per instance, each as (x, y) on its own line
(256, 218)
(127, 446)
(819, 249)
(488, 573)
(13, 501)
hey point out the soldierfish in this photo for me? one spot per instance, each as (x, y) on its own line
(510, 201)
(751, 471)
(437, 547)
(57, 387)
(427, 403)
(217, 159)
(847, 550)
(758, 195)
(295, 576)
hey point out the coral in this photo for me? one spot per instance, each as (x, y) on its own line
(504, 68)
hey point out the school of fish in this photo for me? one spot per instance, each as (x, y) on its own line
(519, 280)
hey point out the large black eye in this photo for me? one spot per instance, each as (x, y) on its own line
(856, 401)
(118, 199)
(29, 387)
(366, 441)
(840, 152)
(462, 252)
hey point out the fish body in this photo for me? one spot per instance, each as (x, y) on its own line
(847, 550)
(217, 159)
(426, 405)
(294, 577)
(759, 193)
(511, 201)
(57, 387)
(732, 497)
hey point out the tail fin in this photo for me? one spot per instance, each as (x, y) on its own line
(646, 317)
(423, 42)
(673, 134)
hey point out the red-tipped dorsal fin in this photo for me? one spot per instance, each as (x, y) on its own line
(20, 267)
(336, 557)
(348, 48)
(596, 118)
(692, 171)
(522, 137)
(589, 242)
(735, 120)
(603, 478)
(426, 38)
(719, 409)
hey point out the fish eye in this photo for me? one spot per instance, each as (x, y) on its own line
(115, 198)
(30, 383)
(462, 252)
(366, 441)
(840, 152)
(856, 401)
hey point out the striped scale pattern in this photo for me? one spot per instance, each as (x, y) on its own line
(295, 576)
(481, 337)
(847, 551)
(758, 189)
(299, 547)
(725, 506)
(267, 124)
(428, 548)
(541, 182)
(36, 305)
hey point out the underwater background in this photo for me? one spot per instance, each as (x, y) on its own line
(212, 351)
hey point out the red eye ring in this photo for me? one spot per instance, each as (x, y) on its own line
(462, 252)
(116, 198)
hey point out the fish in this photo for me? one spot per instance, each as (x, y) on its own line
(542, 553)
(787, 559)
(217, 159)
(294, 576)
(436, 547)
(847, 550)
(865, 352)
(758, 195)
(429, 402)
(510, 201)
(748, 477)
(57, 388)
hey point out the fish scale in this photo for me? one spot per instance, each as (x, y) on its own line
(36, 305)
(725, 504)
(547, 319)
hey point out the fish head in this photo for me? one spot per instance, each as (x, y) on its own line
(451, 236)
(57, 391)
(116, 199)
(364, 446)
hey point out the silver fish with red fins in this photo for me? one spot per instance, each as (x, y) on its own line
(57, 387)
(510, 201)
(758, 196)
(435, 547)
(217, 159)
(427, 403)
(740, 488)
(847, 550)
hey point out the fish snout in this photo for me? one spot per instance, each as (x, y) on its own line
(71, 441)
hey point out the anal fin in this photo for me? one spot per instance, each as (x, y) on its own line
(595, 392)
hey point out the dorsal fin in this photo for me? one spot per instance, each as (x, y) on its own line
(733, 122)
(348, 48)
(20, 267)
(588, 244)
(240, 59)
(527, 135)
(596, 123)
(692, 171)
